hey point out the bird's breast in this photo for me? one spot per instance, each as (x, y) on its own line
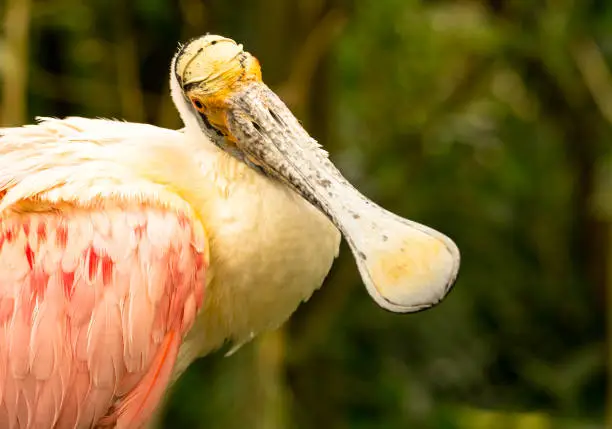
(269, 250)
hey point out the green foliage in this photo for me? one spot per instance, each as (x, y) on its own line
(484, 119)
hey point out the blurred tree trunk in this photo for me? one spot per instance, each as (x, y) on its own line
(598, 79)
(15, 67)
(126, 60)
(272, 395)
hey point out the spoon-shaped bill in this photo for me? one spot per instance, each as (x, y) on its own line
(405, 266)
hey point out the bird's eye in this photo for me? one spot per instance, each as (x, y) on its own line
(197, 104)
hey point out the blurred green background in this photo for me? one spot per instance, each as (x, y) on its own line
(489, 120)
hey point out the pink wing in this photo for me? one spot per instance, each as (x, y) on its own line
(93, 308)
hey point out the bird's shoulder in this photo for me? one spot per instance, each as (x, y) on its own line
(101, 274)
(84, 162)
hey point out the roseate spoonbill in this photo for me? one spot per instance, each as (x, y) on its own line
(127, 250)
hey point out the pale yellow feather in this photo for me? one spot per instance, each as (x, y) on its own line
(269, 249)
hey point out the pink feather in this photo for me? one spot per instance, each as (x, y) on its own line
(93, 308)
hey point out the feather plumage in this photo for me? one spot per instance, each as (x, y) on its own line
(86, 280)
(106, 230)
(93, 331)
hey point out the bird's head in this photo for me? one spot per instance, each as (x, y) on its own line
(218, 89)
(208, 71)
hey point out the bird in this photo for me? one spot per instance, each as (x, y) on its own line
(127, 250)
